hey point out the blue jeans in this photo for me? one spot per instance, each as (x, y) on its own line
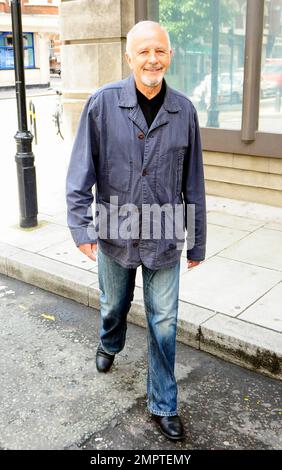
(161, 289)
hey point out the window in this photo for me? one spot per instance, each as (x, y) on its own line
(208, 62)
(270, 116)
(7, 51)
(219, 46)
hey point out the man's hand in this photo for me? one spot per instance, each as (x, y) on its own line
(192, 264)
(89, 249)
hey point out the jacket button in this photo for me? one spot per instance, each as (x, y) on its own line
(141, 136)
(144, 173)
(135, 244)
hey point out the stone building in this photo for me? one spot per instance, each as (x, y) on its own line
(40, 21)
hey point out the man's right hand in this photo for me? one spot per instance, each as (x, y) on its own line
(89, 249)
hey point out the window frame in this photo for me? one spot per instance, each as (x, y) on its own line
(11, 48)
(248, 140)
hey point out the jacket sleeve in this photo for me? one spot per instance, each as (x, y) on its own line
(81, 177)
(194, 194)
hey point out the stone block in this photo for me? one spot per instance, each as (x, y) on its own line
(90, 19)
(244, 344)
(51, 275)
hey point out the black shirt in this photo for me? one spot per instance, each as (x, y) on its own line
(150, 108)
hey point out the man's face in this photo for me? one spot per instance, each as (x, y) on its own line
(150, 56)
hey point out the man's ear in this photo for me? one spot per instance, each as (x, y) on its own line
(128, 59)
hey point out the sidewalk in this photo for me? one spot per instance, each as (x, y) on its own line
(230, 305)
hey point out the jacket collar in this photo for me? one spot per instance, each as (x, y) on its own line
(128, 98)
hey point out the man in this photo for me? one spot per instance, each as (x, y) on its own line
(138, 142)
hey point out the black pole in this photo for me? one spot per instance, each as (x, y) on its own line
(213, 108)
(24, 156)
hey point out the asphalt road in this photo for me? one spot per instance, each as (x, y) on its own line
(52, 397)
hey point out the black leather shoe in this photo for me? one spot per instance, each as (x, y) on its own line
(103, 359)
(170, 426)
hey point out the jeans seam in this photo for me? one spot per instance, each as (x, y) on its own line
(148, 309)
(147, 304)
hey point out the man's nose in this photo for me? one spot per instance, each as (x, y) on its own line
(152, 57)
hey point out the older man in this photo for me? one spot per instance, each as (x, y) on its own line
(138, 142)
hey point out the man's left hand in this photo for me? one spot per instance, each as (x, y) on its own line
(192, 264)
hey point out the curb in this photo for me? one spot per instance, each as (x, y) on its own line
(233, 340)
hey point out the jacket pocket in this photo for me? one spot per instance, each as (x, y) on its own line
(113, 223)
(119, 174)
(169, 175)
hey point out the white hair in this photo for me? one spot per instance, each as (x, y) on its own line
(139, 27)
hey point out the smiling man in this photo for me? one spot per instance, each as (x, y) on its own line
(148, 56)
(138, 143)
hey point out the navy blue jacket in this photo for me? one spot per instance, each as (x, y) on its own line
(132, 165)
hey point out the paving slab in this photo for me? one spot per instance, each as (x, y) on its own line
(267, 311)
(274, 226)
(67, 252)
(34, 239)
(219, 238)
(251, 210)
(261, 248)
(233, 221)
(59, 218)
(226, 286)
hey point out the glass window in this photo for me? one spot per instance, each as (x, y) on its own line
(7, 52)
(270, 117)
(210, 74)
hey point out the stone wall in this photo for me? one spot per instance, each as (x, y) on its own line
(250, 178)
(93, 34)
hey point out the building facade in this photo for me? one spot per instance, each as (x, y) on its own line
(40, 23)
(227, 59)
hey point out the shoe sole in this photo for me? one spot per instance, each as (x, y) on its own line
(103, 371)
(172, 438)
(106, 369)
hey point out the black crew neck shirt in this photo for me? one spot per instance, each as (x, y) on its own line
(150, 108)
